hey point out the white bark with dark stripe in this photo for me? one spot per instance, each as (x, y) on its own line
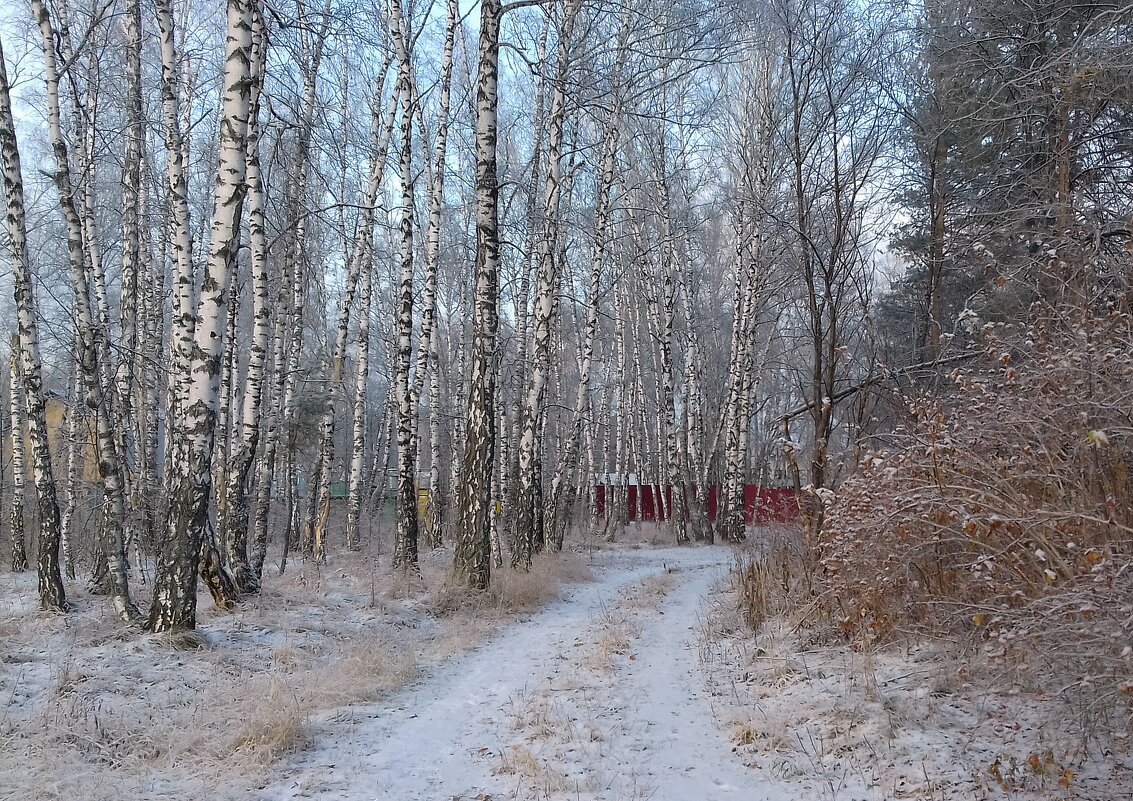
(405, 547)
(90, 363)
(51, 593)
(528, 518)
(236, 511)
(472, 557)
(179, 549)
(16, 407)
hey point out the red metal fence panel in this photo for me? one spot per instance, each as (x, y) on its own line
(762, 505)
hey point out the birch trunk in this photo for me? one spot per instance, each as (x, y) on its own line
(16, 412)
(361, 385)
(509, 481)
(694, 429)
(52, 596)
(71, 438)
(315, 529)
(617, 492)
(88, 337)
(179, 550)
(128, 361)
(405, 548)
(245, 576)
(180, 237)
(313, 40)
(565, 471)
(275, 419)
(360, 261)
(664, 318)
(428, 347)
(737, 415)
(529, 534)
(472, 557)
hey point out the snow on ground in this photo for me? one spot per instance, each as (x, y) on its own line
(916, 721)
(92, 711)
(597, 696)
(345, 685)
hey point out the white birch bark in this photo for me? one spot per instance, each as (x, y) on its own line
(314, 40)
(405, 548)
(694, 424)
(52, 595)
(664, 320)
(527, 266)
(529, 535)
(617, 493)
(472, 557)
(730, 514)
(360, 261)
(89, 363)
(565, 470)
(261, 511)
(128, 361)
(71, 476)
(16, 407)
(179, 549)
(361, 385)
(180, 234)
(427, 360)
(235, 520)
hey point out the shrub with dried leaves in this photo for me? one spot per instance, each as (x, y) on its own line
(1002, 513)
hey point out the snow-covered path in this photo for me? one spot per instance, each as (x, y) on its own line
(644, 729)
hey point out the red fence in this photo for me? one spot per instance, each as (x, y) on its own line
(761, 504)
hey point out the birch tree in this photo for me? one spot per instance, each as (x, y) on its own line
(405, 548)
(236, 511)
(362, 266)
(19, 561)
(179, 550)
(529, 518)
(471, 559)
(428, 349)
(52, 596)
(89, 331)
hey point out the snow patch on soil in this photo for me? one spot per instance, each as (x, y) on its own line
(93, 711)
(902, 722)
(597, 696)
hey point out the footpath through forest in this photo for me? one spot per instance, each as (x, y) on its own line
(597, 696)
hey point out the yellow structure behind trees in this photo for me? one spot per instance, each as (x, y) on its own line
(58, 411)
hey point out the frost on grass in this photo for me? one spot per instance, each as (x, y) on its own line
(574, 735)
(511, 592)
(911, 718)
(99, 713)
(93, 711)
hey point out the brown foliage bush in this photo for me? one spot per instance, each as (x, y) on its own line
(1003, 512)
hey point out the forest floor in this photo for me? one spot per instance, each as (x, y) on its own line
(618, 674)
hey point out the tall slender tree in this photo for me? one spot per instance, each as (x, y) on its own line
(52, 596)
(472, 556)
(179, 550)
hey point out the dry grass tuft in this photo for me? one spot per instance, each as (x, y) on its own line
(518, 760)
(273, 727)
(513, 591)
(541, 779)
(183, 640)
(769, 575)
